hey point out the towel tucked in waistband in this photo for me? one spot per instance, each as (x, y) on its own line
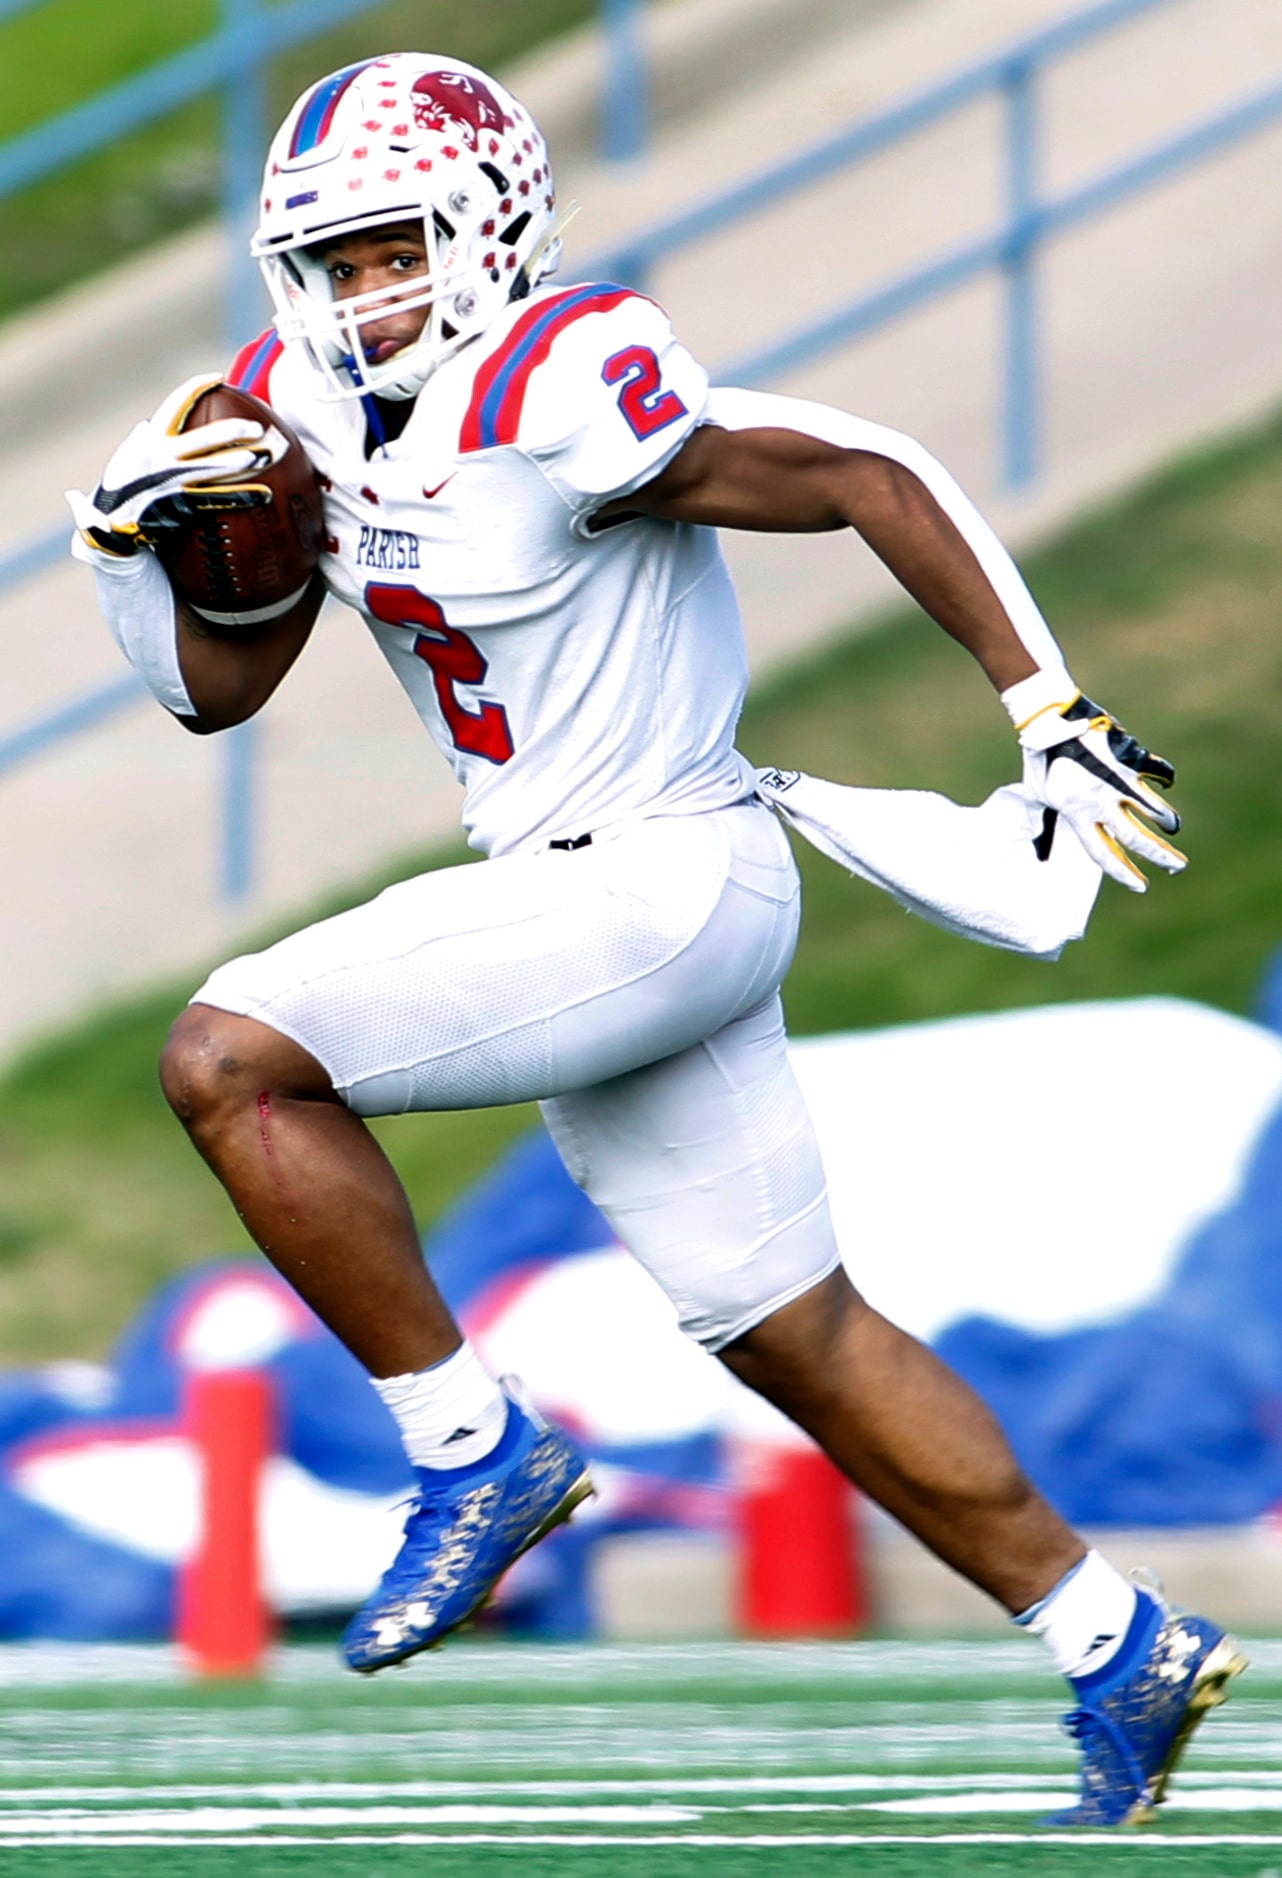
(973, 871)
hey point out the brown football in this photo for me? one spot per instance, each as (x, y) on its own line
(242, 553)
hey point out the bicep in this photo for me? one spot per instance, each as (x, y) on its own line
(765, 479)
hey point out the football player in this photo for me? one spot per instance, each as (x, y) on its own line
(522, 486)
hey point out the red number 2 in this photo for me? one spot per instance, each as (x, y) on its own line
(454, 660)
(642, 401)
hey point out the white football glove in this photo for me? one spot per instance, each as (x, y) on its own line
(1087, 768)
(159, 460)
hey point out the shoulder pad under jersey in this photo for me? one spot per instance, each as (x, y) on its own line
(590, 382)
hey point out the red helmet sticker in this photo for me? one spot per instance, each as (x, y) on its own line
(457, 98)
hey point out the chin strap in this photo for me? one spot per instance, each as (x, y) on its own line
(369, 404)
(374, 418)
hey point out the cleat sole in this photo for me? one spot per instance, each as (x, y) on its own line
(1210, 1689)
(560, 1515)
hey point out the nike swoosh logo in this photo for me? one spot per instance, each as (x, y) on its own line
(109, 500)
(429, 493)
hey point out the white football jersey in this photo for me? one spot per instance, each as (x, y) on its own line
(573, 679)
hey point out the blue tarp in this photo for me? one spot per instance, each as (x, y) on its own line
(1171, 1416)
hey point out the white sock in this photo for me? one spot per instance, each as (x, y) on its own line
(449, 1415)
(1084, 1617)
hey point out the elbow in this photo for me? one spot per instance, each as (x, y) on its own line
(206, 723)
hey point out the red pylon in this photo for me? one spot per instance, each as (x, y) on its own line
(800, 1570)
(223, 1624)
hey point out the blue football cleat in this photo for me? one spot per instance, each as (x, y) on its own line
(467, 1525)
(1138, 1712)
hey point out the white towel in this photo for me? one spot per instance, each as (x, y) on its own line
(973, 871)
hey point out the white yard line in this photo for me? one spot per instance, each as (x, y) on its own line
(1211, 1800)
(254, 1820)
(196, 1824)
(1127, 1842)
(44, 1665)
(818, 1784)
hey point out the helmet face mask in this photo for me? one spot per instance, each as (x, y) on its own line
(409, 139)
(328, 323)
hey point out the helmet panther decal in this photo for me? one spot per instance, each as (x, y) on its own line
(457, 98)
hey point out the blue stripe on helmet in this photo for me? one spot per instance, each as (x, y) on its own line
(312, 123)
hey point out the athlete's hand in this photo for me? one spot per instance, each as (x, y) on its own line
(1087, 768)
(159, 460)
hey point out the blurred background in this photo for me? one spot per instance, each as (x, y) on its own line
(1043, 239)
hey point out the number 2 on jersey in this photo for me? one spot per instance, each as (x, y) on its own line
(454, 660)
(642, 400)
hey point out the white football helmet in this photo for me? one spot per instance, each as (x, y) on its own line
(409, 136)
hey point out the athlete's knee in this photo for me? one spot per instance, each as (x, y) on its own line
(215, 1062)
(798, 1350)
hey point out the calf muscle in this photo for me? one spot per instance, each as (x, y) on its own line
(909, 1432)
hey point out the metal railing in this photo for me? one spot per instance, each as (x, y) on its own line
(1032, 217)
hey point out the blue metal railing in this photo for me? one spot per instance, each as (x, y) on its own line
(625, 104)
(1012, 246)
(250, 32)
(1031, 218)
(233, 59)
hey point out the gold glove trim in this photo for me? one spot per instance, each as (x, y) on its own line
(1167, 847)
(1114, 845)
(193, 398)
(1060, 704)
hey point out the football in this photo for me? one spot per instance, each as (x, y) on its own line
(241, 553)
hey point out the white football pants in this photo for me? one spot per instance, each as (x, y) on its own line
(631, 986)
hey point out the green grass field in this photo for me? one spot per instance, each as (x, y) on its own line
(722, 1760)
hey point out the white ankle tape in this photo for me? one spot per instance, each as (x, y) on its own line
(449, 1415)
(1085, 1617)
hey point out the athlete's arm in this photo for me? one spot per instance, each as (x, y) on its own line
(786, 481)
(207, 676)
(779, 464)
(229, 675)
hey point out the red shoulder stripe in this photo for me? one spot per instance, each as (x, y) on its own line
(252, 367)
(498, 394)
